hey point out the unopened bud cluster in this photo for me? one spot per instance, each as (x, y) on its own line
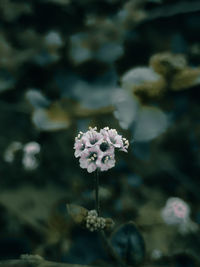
(93, 222)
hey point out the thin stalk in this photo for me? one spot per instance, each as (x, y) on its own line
(107, 244)
(97, 204)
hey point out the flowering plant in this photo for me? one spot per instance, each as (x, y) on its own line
(96, 150)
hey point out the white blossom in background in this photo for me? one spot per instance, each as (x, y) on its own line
(30, 151)
(156, 254)
(29, 162)
(109, 52)
(106, 51)
(145, 122)
(126, 107)
(29, 159)
(150, 123)
(9, 154)
(32, 148)
(40, 113)
(95, 95)
(78, 51)
(53, 39)
(96, 150)
(36, 98)
(138, 76)
(6, 81)
(177, 212)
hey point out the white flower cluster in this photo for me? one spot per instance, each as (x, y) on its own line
(93, 222)
(97, 149)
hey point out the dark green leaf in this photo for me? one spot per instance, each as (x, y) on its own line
(128, 243)
(77, 213)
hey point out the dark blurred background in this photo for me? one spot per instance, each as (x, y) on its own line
(69, 64)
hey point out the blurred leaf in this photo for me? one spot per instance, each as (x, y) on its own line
(77, 213)
(167, 63)
(109, 223)
(50, 120)
(7, 81)
(126, 108)
(36, 98)
(186, 78)
(151, 123)
(128, 243)
(138, 76)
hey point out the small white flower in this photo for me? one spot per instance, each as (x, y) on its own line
(9, 154)
(93, 137)
(112, 137)
(29, 162)
(79, 147)
(32, 148)
(89, 157)
(29, 159)
(53, 39)
(106, 161)
(177, 212)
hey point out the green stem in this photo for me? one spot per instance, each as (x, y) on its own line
(107, 244)
(97, 206)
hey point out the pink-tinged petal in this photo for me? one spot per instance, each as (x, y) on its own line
(106, 147)
(77, 153)
(79, 146)
(91, 167)
(112, 137)
(109, 165)
(85, 154)
(93, 138)
(104, 131)
(176, 211)
(98, 162)
(124, 149)
(89, 157)
(106, 162)
(84, 159)
(118, 141)
(83, 163)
